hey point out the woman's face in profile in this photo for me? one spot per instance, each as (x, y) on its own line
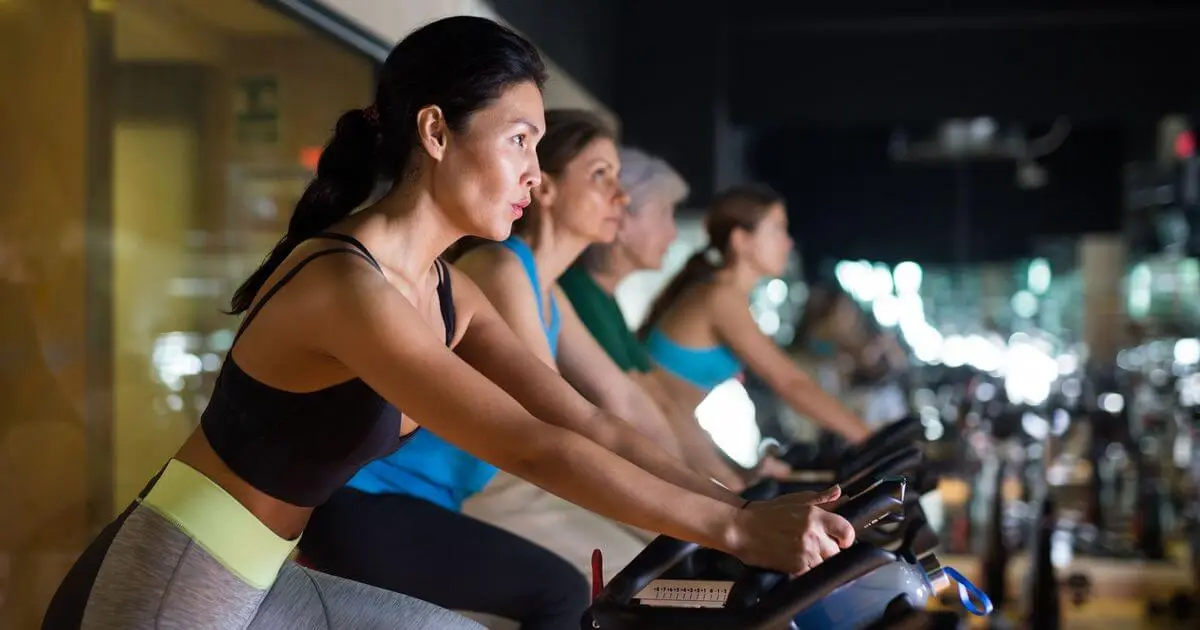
(770, 243)
(648, 231)
(588, 199)
(485, 176)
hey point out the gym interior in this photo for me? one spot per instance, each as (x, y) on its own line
(1003, 194)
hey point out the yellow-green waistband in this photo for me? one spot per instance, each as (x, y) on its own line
(216, 521)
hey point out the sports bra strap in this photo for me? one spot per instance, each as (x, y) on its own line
(356, 248)
(353, 242)
(446, 300)
(444, 289)
(292, 274)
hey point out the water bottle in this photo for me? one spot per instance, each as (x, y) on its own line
(866, 599)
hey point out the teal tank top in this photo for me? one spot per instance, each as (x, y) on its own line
(703, 367)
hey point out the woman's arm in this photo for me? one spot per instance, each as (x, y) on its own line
(364, 323)
(737, 330)
(588, 368)
(699, 450)
(500, 276)
(490, 346)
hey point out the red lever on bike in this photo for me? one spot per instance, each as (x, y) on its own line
(597, 573)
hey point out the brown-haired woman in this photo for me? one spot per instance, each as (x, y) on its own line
(579, 202)
(700, 331)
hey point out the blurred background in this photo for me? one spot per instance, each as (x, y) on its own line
(993, 210)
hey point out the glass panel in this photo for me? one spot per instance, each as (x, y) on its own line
(216, 111)
(43, 305)
(222, 107)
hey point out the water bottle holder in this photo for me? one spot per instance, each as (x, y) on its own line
(969, 594)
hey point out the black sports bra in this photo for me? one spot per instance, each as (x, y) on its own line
(301, 447)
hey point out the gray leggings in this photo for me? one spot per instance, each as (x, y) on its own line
(155, 576)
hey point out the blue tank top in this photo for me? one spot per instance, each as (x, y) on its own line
(703, 367)
(433, 469)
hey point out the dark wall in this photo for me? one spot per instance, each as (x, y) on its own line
(817, 90)
(669, 72)
(847, 199)
(873, 78)
(579, 35)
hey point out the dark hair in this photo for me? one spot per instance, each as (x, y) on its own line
(739, 207)
(461, 64)
(568, 133)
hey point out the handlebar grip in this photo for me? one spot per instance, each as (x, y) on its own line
(901, 462)
(915, 535)
(908, 428)
(882, 499)
(899, 434)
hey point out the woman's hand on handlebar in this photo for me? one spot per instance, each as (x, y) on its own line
(791, 533)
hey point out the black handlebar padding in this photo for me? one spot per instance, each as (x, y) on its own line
(665, 552)
(864, 510)
(885, 498)
(853, 459)
(900, 462)
(774, 611)
(893, 437)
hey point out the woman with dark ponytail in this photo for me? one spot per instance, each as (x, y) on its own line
(356, 336)
(699, 331)
(433, 499)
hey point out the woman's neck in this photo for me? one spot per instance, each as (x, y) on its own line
(553, 250)
(615, 267)
(740, 275)
(406, 231)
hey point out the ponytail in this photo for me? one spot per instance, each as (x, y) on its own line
(698, 268)
(737, 208)
(346, 176)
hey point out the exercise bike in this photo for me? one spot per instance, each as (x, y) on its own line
(834, 464)
(862, 585)
(880, 458)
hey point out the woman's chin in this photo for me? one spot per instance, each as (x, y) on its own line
(499, 231)
(606, 235)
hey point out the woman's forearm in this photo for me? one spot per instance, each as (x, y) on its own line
(808, 399)
(644, 413)
(623, 439)
(700, 452)
(702, 457)
(576, 469)
(695, 445)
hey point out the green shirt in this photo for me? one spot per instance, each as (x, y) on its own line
(602, 316)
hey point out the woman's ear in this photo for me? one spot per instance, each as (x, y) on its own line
(739, 240)
(545, 192)
(432, 131)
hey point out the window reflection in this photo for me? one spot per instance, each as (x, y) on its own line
(116, 262)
